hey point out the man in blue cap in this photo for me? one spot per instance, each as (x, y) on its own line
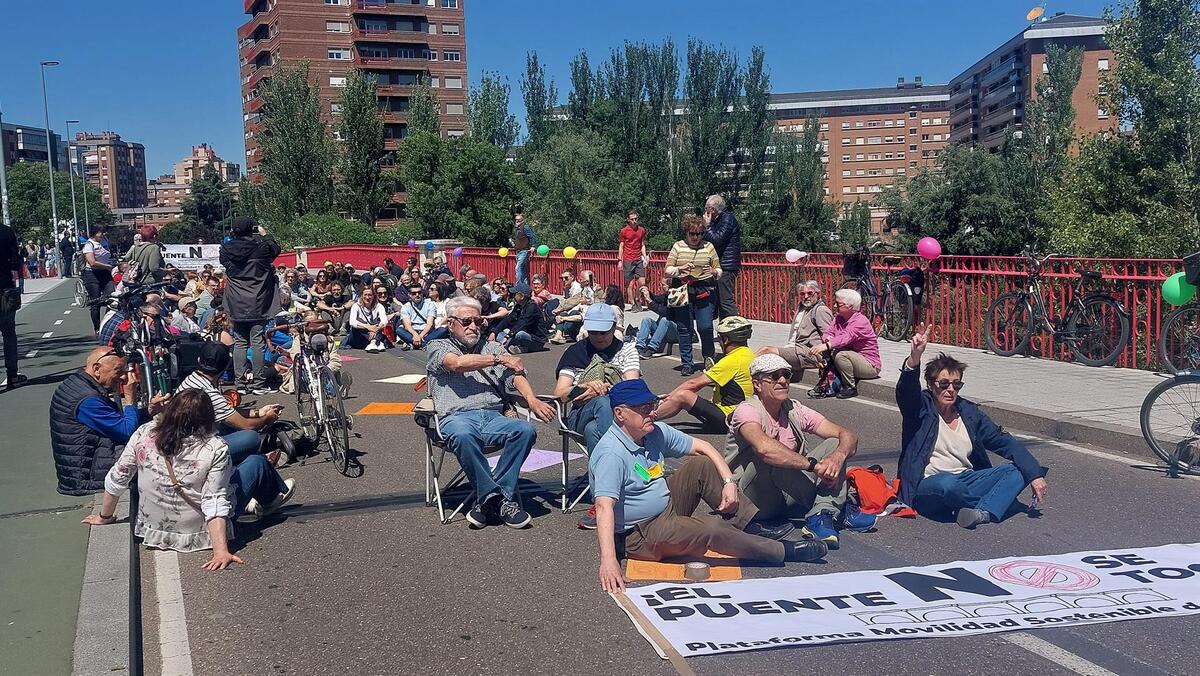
(589, 368)
(650, 514)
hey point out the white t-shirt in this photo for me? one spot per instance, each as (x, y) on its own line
(374, 316)
(197, 381)
(951, 451)
(99, 250)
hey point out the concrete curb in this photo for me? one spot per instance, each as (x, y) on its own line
(1058, 426)
(102, 627)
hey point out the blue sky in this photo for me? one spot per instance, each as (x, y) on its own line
(166, 74)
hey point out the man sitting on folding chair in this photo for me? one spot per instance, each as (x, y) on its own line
(467, 378)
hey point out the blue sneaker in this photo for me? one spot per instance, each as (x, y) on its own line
(819, 526)
(856, 520)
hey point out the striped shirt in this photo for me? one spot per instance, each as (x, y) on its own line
(705, 259)
(197, 381)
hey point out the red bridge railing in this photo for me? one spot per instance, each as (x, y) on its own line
(958, 289)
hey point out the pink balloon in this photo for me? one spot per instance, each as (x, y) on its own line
(929, 248)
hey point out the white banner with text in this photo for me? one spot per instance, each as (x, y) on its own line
(192, 256)
(953, 599)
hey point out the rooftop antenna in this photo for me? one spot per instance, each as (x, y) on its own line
(1036, 13)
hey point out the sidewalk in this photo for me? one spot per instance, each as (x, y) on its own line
(1061, 400)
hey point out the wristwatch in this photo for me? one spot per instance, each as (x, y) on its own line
(495, 360)
(812, 464)
(729, 480)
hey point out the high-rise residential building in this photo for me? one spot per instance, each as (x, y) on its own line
(399, 42)
(23, 143)
(989, 97)
(115, 166)
(203, 156)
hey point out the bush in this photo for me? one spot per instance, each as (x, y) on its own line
(314, 230)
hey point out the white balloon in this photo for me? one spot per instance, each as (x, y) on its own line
(792, 255)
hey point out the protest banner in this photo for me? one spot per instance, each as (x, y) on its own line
(192, 256)
(954, 599)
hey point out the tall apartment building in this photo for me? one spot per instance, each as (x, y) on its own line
(115, 166)
(399, 42)
(203, 156)
(989, 97)
(23, 143)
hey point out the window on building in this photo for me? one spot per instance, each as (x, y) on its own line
(845, 190)
(912, 113)
(455, 133)
(845, 173)
(937, 137)
(1102, 64)
(824, 126)
(845, 158)
(337, 26)
(887, 172)
(449, 4)
(336, 2)
(859, 141)
(339, 54)
(874, 140)
(335, 108)
(454, 109)
(874, 156)
(454, 83)
(337, 80)
(450, 29)
(435, 82)
(845, 125)
(826, 190)
(861, 188)
(924, 137)
(912, 147)
(900, 171)
(899, 123)
(845, 141)
(912, 163)
(451, 55)
(860, 157)
(899, 156)
(1101, 114)
(860, 172)
(858, 124)
(925, 122)
(887, 123)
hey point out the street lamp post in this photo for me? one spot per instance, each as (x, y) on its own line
(49, 144)
(3, 177)
(71, 173)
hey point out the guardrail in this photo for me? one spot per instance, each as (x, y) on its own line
(958, 289)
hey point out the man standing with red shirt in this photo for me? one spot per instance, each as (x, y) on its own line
(631, 252)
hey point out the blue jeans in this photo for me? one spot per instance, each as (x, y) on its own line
(654, 333)
(699, 311)
(522, 274)
(525, 341)
(468, 433)
(242, 443)
(255, 478)
(591, 420)
(993, 490)
(403, 335)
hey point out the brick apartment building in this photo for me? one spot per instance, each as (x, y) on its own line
(115, 166)
(166, 194)
(399, 42)
(203, 156)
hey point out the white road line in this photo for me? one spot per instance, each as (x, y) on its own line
(1112, 457)
(57, 322)
(1063, 658)
(31, 355)
(66, 312)
(174, 648)
(47, 334)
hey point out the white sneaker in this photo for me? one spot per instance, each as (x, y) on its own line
(253, 511)
(282, 498)
(372, 347)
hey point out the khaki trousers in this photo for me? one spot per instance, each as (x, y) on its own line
(853, 367)
(782, 493)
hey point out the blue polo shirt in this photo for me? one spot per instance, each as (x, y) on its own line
(618, 469)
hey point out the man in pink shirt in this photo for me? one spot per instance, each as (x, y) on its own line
(852, 341)
(631, 252)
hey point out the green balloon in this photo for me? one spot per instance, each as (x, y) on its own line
(543, 250)
(1176, 290)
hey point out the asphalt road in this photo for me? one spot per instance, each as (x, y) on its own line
(41, 560)
(357, 575)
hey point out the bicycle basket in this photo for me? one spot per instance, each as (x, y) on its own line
(1191, 268)
(855, 264)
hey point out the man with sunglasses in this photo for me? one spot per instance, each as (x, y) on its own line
(467, 382)
(812, 318)
(785, 472)
(944, 467)
(648, 515)
(89, 425)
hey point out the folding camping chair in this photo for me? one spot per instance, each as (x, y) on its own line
(568, 438)
(435, 455)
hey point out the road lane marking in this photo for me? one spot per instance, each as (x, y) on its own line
(47, 334)
(174, 648)
(1112, 457)
(31, 355)
(1063, 658)
(66, 312)
(58, 322)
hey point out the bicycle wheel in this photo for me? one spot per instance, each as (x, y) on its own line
(81, 294)
(1008, 324)
(1170, 419)
(1099, 331)
(1179, 340)
(336, 423)
(306, 406)
(897, 312)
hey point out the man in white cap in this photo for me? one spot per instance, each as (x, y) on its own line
(785, 472)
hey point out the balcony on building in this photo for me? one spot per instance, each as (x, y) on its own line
(998, 96)
(396, 82)
(962, 114)
(260, 40)
(964, 93)
(389, 29)
(401, 56)
(390, 6)
(393, 108)
(1005, 68)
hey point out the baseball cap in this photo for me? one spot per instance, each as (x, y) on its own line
(327, 263)
(599, 318)
(768, 363)
(184, 302)
(631, 393)
(214, 357)
(521, 288)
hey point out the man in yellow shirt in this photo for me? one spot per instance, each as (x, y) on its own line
(729, 378)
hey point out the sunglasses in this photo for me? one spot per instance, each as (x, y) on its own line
(785, 374)
(470, 321)
(565, 278)
(808, 293)
(695, 234)
(944, 384)
(644, 409)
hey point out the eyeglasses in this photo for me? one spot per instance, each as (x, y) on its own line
(696, 234)
(785, 374)
(564, 278)
(806, 294)
(943, 384)
(644, 409)
(470, 321)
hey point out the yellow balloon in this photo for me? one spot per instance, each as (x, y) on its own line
(503, 251)
(569, 252)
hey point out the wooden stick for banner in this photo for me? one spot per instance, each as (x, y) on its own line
(677, 660)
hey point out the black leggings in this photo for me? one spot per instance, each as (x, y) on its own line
(712, 418)
(97, 283)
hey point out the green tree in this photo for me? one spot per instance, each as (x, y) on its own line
(1048, 128)
(487, 113)
(249, 196)
(364, 186)
(423, 110)
(313, 230)
(29, 201)
(854, 225)
(297, 154)
(789, 209)
(207, 212)
(540, 97)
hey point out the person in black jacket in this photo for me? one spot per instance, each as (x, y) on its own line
(251, 294)
(10, 269)
(526, 323)
(66, 250)
(725, 234)
(655, 335)
(944, 468)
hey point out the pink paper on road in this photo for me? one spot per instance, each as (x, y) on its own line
(350, 357)
(538, 459)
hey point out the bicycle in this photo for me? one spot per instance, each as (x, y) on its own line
(1179, 340)
(1170, 421)
(1096, 326)
(147, 347)
(322, 415)
(81, 293)
(891, 307)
